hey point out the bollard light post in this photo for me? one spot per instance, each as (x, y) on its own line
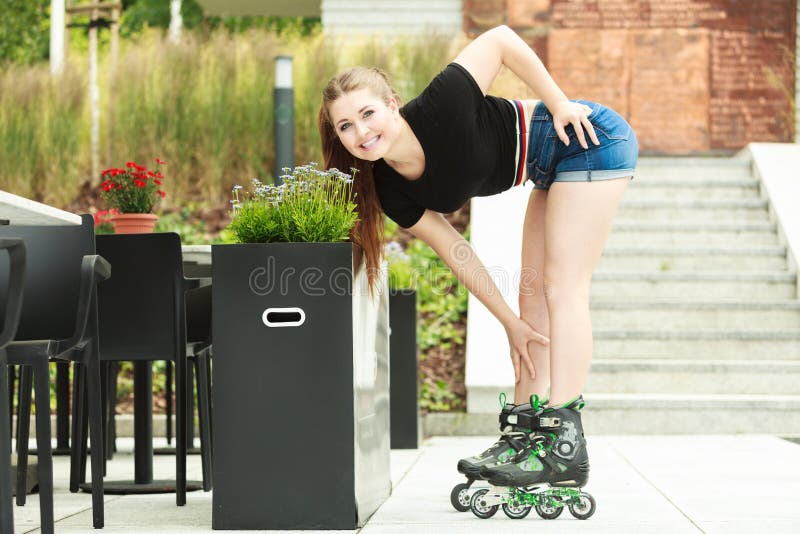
(284, 116)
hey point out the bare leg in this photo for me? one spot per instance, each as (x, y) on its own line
(532, 303)
(578, 220)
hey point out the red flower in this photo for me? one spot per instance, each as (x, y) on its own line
(128, 187)
(160, 161)
(104, 216)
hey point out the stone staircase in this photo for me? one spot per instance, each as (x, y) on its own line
(695, 312)
(695, 306)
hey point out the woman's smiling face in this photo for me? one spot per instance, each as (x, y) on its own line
(364, 123)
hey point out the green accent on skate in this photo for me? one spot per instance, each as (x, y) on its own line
(502, 401)
(506, 456)
(577, 407)
(551, 497)
(538, 402)
(531, 464)
(561, 467)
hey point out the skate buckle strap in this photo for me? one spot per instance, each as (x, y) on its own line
(549, 422)
(512, 419)
(513, 442)
(552, 464)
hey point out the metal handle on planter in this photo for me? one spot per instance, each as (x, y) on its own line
(282, 317)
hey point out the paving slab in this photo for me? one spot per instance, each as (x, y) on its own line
(642, 484)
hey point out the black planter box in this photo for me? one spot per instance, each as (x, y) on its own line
(300, 388)
(403, 370)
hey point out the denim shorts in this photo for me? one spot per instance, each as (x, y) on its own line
(549, 160)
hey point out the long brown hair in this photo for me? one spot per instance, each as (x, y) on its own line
(368, 230)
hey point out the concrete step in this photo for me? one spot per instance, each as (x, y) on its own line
(773, 344)
(694, 210)
(680, 315)
(694, 162)
(684, 189)
(722, 377)
(683, 169)
(696, 286)
(671, 376)
(694, 258)
(615, 414)
(712, 234)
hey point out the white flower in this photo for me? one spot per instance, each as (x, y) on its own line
(394, 252)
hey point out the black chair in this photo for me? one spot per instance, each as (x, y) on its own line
(198, 352)
(58, 321)
(13, 305)
(142, 319)
(198, 369)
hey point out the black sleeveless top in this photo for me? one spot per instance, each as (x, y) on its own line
(474, 146)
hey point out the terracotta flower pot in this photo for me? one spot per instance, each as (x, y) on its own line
(134, 223)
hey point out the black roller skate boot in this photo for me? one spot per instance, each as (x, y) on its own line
(516, 422)
(547, 474)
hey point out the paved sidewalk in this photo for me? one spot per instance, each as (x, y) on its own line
(670, 484)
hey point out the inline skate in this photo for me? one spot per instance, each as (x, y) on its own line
(547, 475)
(516, 428)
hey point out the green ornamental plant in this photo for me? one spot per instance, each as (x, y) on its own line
(401, 274)
(312, 206)
(134, 189)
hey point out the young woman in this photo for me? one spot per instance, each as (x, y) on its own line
(454, 142)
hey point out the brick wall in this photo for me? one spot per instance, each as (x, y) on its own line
(691, 76)
(797, 80)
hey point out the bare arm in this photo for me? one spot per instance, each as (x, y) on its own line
(459, 255)
(500, 46)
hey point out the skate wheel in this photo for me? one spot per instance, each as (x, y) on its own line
(459, 497)
(549, 511)
(520, 511)
(479, 506)
(584, 508)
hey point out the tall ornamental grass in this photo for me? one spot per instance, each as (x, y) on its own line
(42, 131)
(204, 105)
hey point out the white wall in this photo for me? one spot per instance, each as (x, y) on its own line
(391, 17)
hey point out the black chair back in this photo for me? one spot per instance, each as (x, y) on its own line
(139, 304)
(52, 277)
(15, 249)
(198, 315)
